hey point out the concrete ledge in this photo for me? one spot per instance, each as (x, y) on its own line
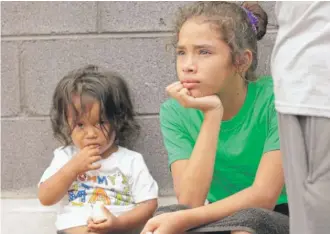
(28, 216)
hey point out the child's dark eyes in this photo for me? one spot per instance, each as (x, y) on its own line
(80, 125)
(180, 52)
(98, 124)
(102, 122)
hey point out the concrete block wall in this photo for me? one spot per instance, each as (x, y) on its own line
(42, 41)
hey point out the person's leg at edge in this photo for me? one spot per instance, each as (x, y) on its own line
(306, 160)
(316, 195)
(295, 168)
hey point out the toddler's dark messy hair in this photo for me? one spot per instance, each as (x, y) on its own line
(109, 88)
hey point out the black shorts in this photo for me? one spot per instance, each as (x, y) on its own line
(282, 208)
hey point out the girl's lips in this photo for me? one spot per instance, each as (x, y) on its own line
(190, 85)
(188, 81)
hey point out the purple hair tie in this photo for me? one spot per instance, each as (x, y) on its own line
(253, 19)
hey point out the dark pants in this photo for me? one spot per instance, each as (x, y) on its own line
(282, 209)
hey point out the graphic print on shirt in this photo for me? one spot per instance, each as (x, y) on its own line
(112, 189)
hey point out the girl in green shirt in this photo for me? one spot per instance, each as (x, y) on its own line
(220, 126)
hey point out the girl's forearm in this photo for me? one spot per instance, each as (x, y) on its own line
(247, 198)
(199, 170)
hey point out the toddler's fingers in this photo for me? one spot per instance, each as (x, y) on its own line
(89, 221)
(94, 151)
(95, 159)
(94, 166)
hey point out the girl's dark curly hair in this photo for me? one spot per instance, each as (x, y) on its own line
(109, 88)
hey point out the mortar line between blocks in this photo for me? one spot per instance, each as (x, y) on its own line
(119, 35)
(21, 89)
(98, 17)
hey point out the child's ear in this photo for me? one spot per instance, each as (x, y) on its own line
(244, 61)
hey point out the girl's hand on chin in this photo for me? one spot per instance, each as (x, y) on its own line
(184, 97)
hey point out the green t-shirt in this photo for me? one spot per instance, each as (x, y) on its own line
(242, 140)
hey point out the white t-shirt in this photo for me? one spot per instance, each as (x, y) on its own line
(122, 181)
(300, 59)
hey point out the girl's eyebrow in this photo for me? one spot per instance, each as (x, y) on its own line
(197, 46)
